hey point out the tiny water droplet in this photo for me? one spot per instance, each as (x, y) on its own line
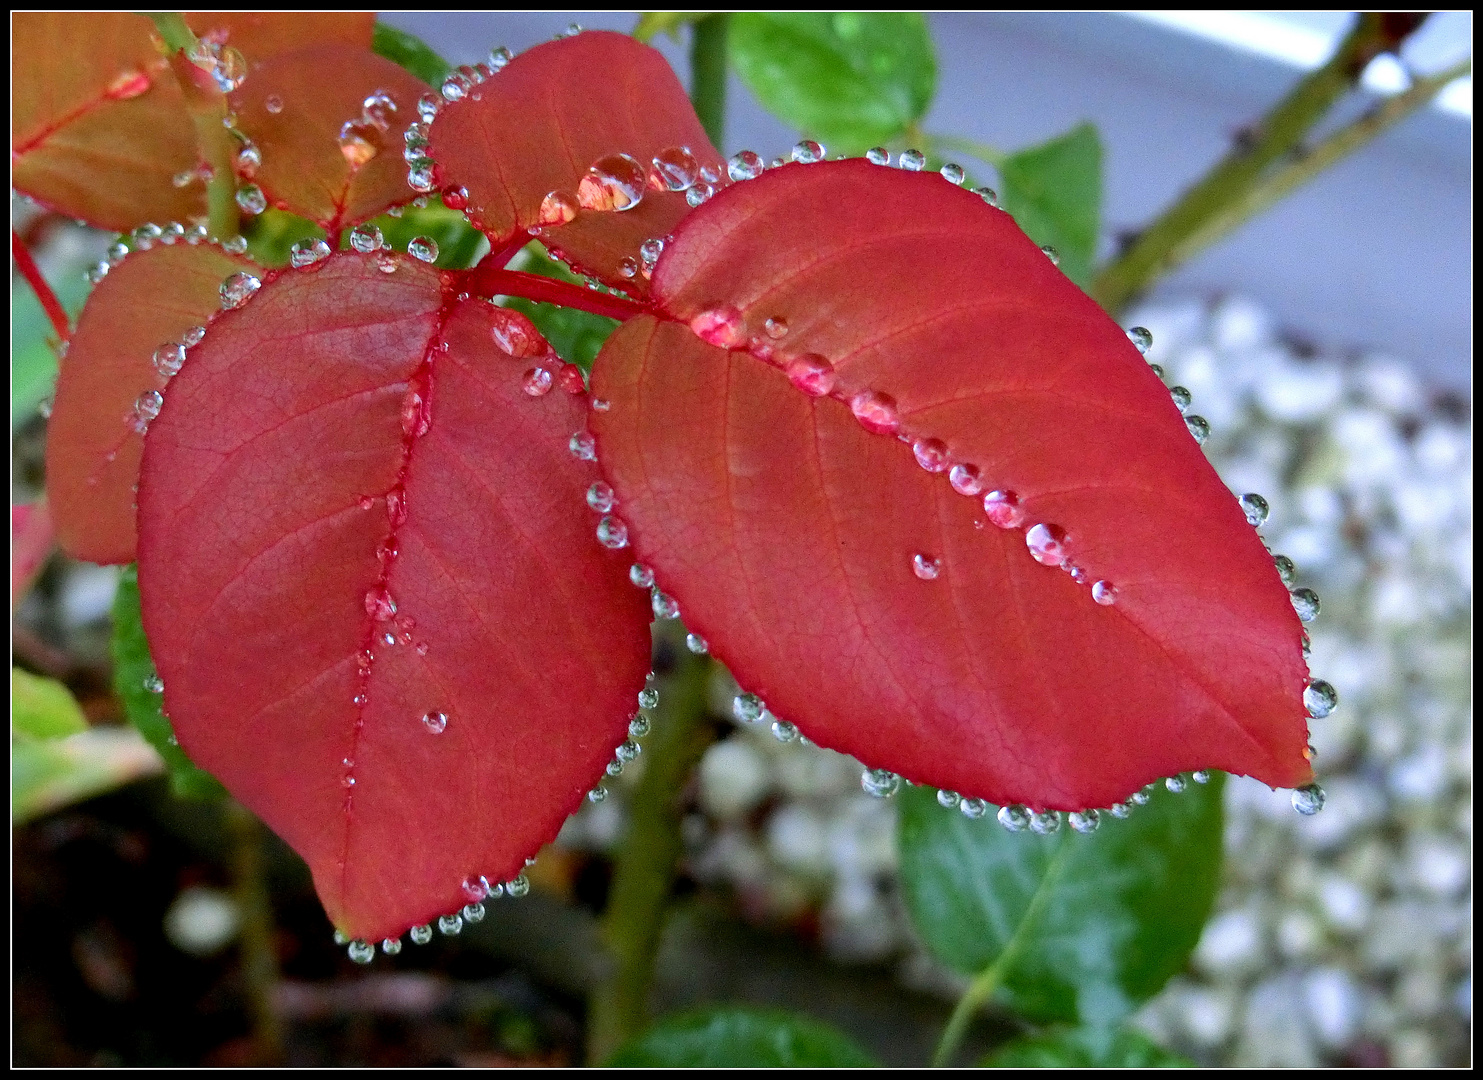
(612, 533)
(650, 250)
(391, 946)
(948, 800)
(1084, 821)
(1141, 338)
(880, 783)
(1014, 817)
(812, 374)
(251, 199)
(308, 253)
(517, 886)
(249, 160)
(973, 809)
(366, 239)
(1002, 508)
(720, 326)
(807, 152)
(1255, 508)
(172, 232)
(1198, 426)
(537, 382)
(144, 237)
(699, 194)
(988, 195)
(473, 913)
(925, 567)
(1286, 569)
(97, 272)
(1046, 822)
(117, 252)
(428, 106)
(673, 169)
(498, 58)
(386, 262)
(648, 698)
(422, 178)
(583, 446)
(146, 408)
(664, 606)
(379, 604)
(237, 289)
(878, 155)
(435, 722)
(362, 952)
(450, 924)
(169, 358)
(641, 576)
(1139, 798)
(1120, 810)
(628, 267)
(697, 644)
(1175, 784)
(1182, 397)
(1104, 593)
(744, 165)
(421, 935)
(237, 245)
(1200, 776)
(912, 160)
(273, 103)
(154, 684)
(776, 327)
(456, 198)
(597, 794)
(783, 731)
(876, 412)
(952, 173)
(965, 479)
(1052, 254)
(747, 708)
(1047, 544)
(1320, 699)
(1157, 370)
(1308, 800)
(931, 454)
(1305, 601)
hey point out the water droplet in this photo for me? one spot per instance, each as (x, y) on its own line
(97, 272)
(650, 250)
(154, 684)
(428, 106)
(699, 194)
(146, 408)
(925, 567)
(744, 165)
(628, 750)
(169, 358)
(273, 103)
(988, 195)
(537, 382)
(1139, 798)
(1200, 776)
(1156, 369)
(435, 722)
(600, 497)
(391, 946)
(1308, 800)
(237, 245)
(876, 412)
(807, 152)
(1181, 396)
(1286, 569)
(1084, 821)
(117, 252)
(1045, 823)
(965, 479)
(1052, 254)
(1305, 601)
(1320, 699)
(720, 326)
(628, 267)
(450, 924)
(453, 88)
(812, 374)
(498, 58)
(612, 533)
(948, 800)
(557, 208)
(379, 604)
(230, 71)
(1014, 817)
(597, 794)
(952, 173)
(1198, 426)
(251, 199)
(421, 935)
(1002, 508)
(878, 155)
(249, 158)
(648, 698)
(783, 731)
(912, 160)
(776, 327)
(673, 169)
(308, 253)
(615, 182)
(1120, 810)
(747, 708)
(366, 239)
(423, 248)
(1140, 337)
(880, 783)
(697, 644)
(517, 886)
(172, 232)
(973, 809)
(931, 454)
(1255, 508)
(362, 952)
(129, 84)
(238, 289)
(422, 178)
(359, 142)
(583, 446)
(641, 575)
(1105, 593)
(144, 237)
(1174, 784)
(664, 606)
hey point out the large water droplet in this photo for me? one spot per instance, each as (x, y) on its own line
(359, 142)
(807, 152)
(422, 178)
(615, 182)
(450, 924)
(1084, 821)
(783, 731)
(1002, 508)
(747, 708)
(557, 208)
(965, 479)
(435, 722)
(1182, 397)
(171, 233)
(1286, 569)
(1120, 810)
(421, 935)
(193, 336)
(638, 727)
(536, 382)
(641, 576)
(878, 155)
(697, 644)
(952, 173)
(1305, 602)
(1014, 817)
(1320, 699)
(366, 239)
(948, 800)
(583, 446)
(600, 497)
(1255, 508)
(251, 199)
(628, 750)
(1047, 544)
(473, 913)
(597, 794)
(1140, 337)
(744, 165)
(308, 253)
(1105, 593)
(517, 886)
(273, 103)
(612, 533)
(876, 412)
(650, 250)
(424, 248)
(664, 606)
(1139, 798)
(988, 195)
(362, 952)
(143, 238)
(648, 698)
(931, 454)
(699, 194)
(973, 809)
(169, 358)
(1200, 776)
(812, 374)
(720, 326)
(1198, 426)
(673, 169)
(514, 334)
(925, 567)
(1175, 784)
(1308, 800)
(237, 289)
(1045, 822)
(880, 783)
(146, 408)
(912, 160)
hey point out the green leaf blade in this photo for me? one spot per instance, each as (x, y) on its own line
(741, 1037)
(42, 708)
(1085, 1048)
(411, 52)
(1054, 191)
(1124, 910)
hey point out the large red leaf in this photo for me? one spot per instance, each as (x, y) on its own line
(788, 532)
(98, 126)
(541, 122)
(295, 108)
(93, 441)
(292, 492)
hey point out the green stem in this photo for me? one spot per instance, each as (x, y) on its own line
(708, 75)
(648, 860)
(258, 952)
(1277, 135)
(982, 151)
(983, 986)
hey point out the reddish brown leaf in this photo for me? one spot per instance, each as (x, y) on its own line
(98, 125)
(32, 536)
(788, 532)
(538, 125)
(268, 487)
(92, 441)
(307, 168)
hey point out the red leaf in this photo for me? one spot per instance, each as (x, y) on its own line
(31, 538)
(98, 125)
(307, 167)
(787, 531)
(268, 487)
(539, 124)
(93, 441)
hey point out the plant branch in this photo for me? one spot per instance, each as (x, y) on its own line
(708, 75)
(259, 955)
(983, 986)
(1278, 134)
(497, 281)
(985, 153)
(49, 302)
(648, 860)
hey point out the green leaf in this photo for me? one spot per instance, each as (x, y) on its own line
(741, 1038)
(133, 676)
(1085, 1048)
(851, 78)
(1054, 191)
(575, 335)
(1117, 913)
(272, 234)
(33, 362)
(42, 708)
(653, 23)
(45, 776)
(460, 245)
(411, 52)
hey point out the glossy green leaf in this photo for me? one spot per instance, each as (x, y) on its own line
(133, 680)
(850, 78)
(577, 336)
(1054, 191)
(741, 1038)
(1085, 1048)
(1116, 912)
(42, 708)
(411, 52)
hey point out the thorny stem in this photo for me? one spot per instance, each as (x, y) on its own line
(258, 954)
(708, 74)
(648, 860)
(983, 986)
(1277, 135)
(208, 109)
(49, 302)
(497, 281)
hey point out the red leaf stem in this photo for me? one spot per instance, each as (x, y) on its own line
(494, 281)
(32, 274)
